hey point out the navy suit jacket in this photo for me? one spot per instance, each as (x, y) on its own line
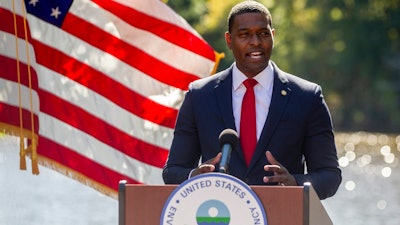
(298, 132)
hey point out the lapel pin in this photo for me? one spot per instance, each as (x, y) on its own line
(283, 92)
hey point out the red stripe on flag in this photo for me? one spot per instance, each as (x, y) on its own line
(127, 53)
(76, 162)
(8, 71)
(165, 30)
(106, 133)
(7, 23)
(104, 85)
(10, 115)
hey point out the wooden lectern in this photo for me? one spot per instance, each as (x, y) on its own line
(292, 205)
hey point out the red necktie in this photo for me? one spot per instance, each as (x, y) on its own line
(248, 130)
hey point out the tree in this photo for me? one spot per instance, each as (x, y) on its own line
(350, 47)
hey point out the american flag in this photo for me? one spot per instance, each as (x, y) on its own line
(96, 85)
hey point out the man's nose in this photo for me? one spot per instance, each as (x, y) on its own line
(255, 39)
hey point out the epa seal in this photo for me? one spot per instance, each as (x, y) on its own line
(213, 198)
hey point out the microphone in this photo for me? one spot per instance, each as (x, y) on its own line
(228, 140)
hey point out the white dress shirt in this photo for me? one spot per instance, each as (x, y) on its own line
(262, 92)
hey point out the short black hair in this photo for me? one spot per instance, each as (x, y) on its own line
(248, 6)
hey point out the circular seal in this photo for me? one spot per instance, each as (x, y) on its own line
(213, 198)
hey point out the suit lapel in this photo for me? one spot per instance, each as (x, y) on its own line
(280, 97)
(223, 91)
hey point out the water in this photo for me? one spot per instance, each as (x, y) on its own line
(49, 198)
(368, 195)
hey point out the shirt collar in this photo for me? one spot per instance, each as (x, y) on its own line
(264, 78)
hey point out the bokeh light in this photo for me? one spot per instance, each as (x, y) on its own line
(364, 160)
(386, 171)
(350, 156)
(381, 204)
(350, 185)
(389, 158)
(385, 150)
(343, 161)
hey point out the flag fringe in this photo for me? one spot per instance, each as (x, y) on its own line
(53, 165)
(30, 150)
(22, 160)
(37, 159)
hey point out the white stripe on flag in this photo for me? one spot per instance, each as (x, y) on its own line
(8, 48)
(9, 93)
(104, 109)
(159, 11)
(182, 59)
(97, 151)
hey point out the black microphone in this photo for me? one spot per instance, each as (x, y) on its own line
(228, 140)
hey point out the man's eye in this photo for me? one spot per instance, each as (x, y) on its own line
(265, 34)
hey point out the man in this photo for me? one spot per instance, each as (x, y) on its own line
(293, 128)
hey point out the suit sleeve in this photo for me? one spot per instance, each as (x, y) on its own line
(319, 150)
(185, 150)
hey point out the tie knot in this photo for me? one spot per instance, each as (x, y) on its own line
(250, 83)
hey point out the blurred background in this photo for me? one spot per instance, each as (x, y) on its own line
(350, 47)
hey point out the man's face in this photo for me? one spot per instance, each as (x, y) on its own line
(251, 40)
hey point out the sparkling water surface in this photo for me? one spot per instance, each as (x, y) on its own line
(369, 193)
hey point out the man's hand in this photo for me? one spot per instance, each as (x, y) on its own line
(281, 174)
(207, 167)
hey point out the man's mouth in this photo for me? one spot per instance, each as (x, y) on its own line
(255, 55)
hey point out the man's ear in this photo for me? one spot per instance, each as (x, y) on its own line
(228, 39)
(273, 37)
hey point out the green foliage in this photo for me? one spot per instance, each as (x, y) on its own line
(191, 10)
(350, 47)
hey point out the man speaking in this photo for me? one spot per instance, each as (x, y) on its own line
(283, 122)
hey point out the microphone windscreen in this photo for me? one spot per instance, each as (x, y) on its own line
(228, 136)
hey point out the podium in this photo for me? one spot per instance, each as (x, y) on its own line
(291, 205)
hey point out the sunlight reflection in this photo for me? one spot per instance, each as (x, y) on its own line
(383, 139)
(351, 156)
(364, 160)
(381, 204)
(355, 138)
(372, 139)
(343, 161)
(349, 147)
(385, 150)
(389, 158)
(386, 171)
(350, 185)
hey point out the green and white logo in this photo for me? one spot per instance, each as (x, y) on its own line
(213, 199)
